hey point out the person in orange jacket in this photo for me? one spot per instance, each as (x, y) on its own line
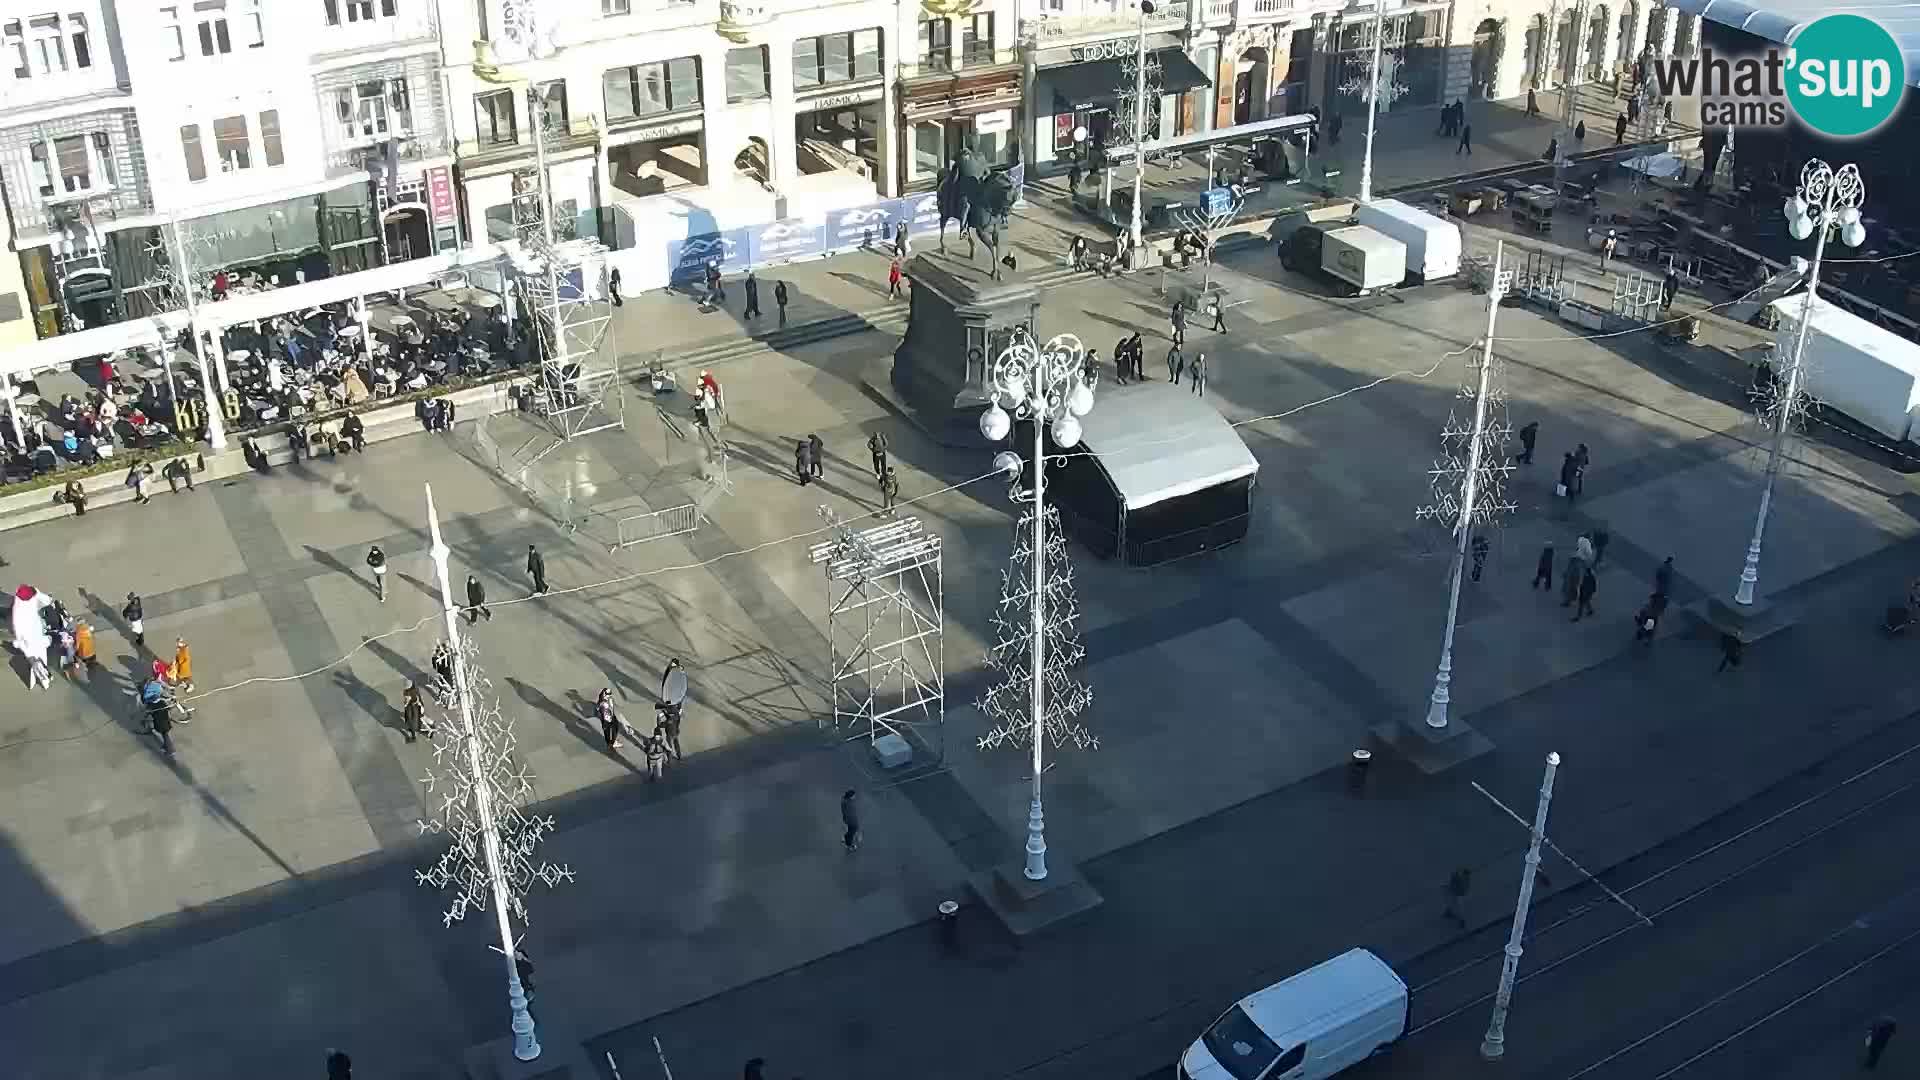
(83, 645)
(182, 665)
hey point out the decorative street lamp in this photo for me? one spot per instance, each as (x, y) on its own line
(1828, 200)
(1139, 128)
(482, 797)
(1468, 482)
(1380, 85)
(1494, 1046)
(1038, 700)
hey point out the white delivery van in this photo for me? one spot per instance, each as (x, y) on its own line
(1363, 258)
(1307, 1027)
(1433, 243)
(1866, 373)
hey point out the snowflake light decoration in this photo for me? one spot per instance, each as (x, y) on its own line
(463, 869)
(1469, 454)
(1120, 122)
(1008, 703)
(1387, 85)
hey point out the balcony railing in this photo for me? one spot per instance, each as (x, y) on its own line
(978, 58)
(578, 131)
(1243, 12)
(1050, 30)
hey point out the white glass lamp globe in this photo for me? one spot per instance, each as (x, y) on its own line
(1066, 432)
(1007, 463)
(995, 423)
(1853, 234)
(1849, 215)
(1800, 227)
(1795, 208)
(1080, 134)
(1080, 401)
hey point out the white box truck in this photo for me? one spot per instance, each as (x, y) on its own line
(1353, 255)
(1851, 366)
(1433, 243)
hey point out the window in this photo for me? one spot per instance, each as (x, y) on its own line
(373, 109)
(1242, 1049)
(210, 20)
(42, 174)
(171, 34)
(936, 43)
(77, 34)
(616, 7)
(747, 73)
(1291, 1060)
(553, 107)
(103, 153)
(16, 49)
(354, 12)
(45, 47)
(836, 58)
(270, 138)
(231, 144)
(976, 39)
(76, 169)
(493, 112)
(254, 24)
(649, 89)
(190, 149)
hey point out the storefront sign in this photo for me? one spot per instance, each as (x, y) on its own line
(687, 259)
(987, 123)
(864, 225)
(665, 130)
(1111, 49)
(782, 241)
(440, 195)
(843, 100)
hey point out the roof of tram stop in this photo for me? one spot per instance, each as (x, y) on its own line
(1178, 169)
(470, 278)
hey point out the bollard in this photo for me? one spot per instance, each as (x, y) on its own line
(1357, 770)
(949, 923)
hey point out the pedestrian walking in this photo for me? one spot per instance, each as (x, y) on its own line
(1580, 132)
(889, 491)
(153, 698)
(802, 466)
(523, 967)
(1663, 578)
(613, 286)
(850, 817)
(377, 562)
(716, 287)
(1466, 141)
(877, 448)
(756, 1069)
(817, 453)
(1600, 536)
(1669, 288)
(476, 601)
(1607, 248)
(1528, 435)
(780, 300)
(537, 570)
(1219, 312)
(1138, 349)
(1568, 474)
(1197, 374)
(339, 1065)
(1543, 569)
(1177, 323)
(1073, 177)
(413, 713)
(654, 746)
(135, 614)
(752, 285)
(182, 669)
(83, 650)
(1584, 599)
(1620, 129)
(1583, 548)
(137, 478)
(893, 281)
(1176, 365)
(1459, 883)
(609, 717)
(1480, 549)
(666, 724)
(1731, 650)
(1570, 583)
(1647, 621)
(1878, 1036)
(1533, 102)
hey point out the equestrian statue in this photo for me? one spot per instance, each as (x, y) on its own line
(980, 200)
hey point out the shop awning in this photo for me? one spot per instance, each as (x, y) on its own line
(1098, 82)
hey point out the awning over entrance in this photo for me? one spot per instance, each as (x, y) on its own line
(1099, 82)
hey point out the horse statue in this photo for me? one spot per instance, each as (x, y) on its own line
(959, 189)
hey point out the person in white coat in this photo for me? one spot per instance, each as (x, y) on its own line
(30, 633)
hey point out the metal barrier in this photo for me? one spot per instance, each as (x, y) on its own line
(640, 528)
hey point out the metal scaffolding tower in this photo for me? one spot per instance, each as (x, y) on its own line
(1637, 296)
(886, 625)
(579, 390)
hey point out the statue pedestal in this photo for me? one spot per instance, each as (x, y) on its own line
(960, 320)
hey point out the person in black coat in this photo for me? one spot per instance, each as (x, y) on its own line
(536, 569)
(850, 817)
(752, 285)
(1528, 435)
(355, 432)
(817, 455)
(780, 300)
(476, 601)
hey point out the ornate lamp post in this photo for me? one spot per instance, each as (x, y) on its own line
(1043, 384)
(1829, 199)
(1139, 127)
(1382, 81)
(483, 793)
